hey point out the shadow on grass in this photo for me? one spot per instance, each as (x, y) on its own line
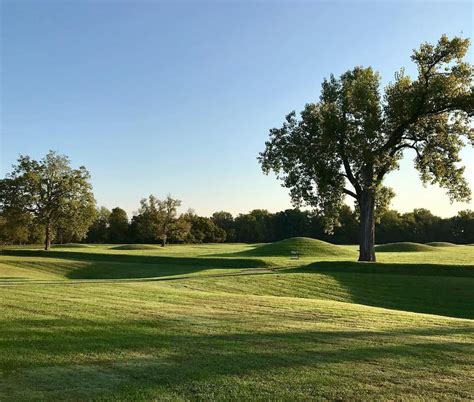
(122, 266)
(388, 268)
(83, 358)
(421, 288)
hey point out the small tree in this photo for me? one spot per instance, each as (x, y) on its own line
(345, 144)
(52, 192)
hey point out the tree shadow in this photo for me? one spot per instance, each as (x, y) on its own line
(80, 358)
(123, 266)
(388, 268)
(422, 288)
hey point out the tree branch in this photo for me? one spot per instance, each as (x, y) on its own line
(350, 175)
(349, 192)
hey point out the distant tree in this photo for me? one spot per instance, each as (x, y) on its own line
(354, 136)
(15, 226)
(225, 221)
(254, 227)
(99, 230)
(462, 227)
(421, 225)
(137, 231)
(55, 194)
(391, 228)
(203, 230)
(289, 223)
(159, 219)
(118, 226)
(347, 230)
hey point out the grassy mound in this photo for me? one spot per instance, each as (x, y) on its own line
(71, 245)
(403, 247)
(441, 244)
(135, 247)
(304, 246)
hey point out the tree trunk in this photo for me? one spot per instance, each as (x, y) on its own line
(47, 237)
(163, 241)
(367, 227)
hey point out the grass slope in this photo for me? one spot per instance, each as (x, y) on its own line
(304, 246)
(135, 247)
(441, 244)
(186, 324)
(164, 341)
(71, 245)
(402, 247)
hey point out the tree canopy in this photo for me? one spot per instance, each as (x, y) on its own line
(158, 219)
(56, 196)
(347, 142)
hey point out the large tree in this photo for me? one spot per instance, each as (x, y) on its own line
(56, 195)
(346, 144)
(158, 219)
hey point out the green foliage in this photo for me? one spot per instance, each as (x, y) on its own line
(118, 226)
(56, 196)
(345, 144)
(15, 226)
(225, 221)
(203, 230)
(158, 219)
(254, 227)
(99, 230)
(463, 227)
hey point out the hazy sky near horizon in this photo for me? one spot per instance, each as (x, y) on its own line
(178, 97)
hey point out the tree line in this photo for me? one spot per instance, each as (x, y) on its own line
(49, 201)
(262, 226)
(158, 222)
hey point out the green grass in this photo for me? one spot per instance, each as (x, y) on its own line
(402, 247)
(71, 245)
(212, 322)
(303, 246)
(441, 244)
(135, 247)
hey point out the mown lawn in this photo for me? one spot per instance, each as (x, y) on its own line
(208, 322)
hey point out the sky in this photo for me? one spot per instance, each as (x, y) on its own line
(177, 97)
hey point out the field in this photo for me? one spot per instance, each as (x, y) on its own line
(236, 322)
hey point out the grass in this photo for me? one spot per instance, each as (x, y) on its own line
(207, 322)
(135, 247)
(441, 244)
(71, 245)
(402, 247)
(303, 246)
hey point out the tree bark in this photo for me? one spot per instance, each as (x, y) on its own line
(163, 241)
(367, 226)
(47, 237)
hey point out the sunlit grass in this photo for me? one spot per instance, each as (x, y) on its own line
(200, 322)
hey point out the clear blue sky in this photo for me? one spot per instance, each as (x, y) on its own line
(157, 97)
